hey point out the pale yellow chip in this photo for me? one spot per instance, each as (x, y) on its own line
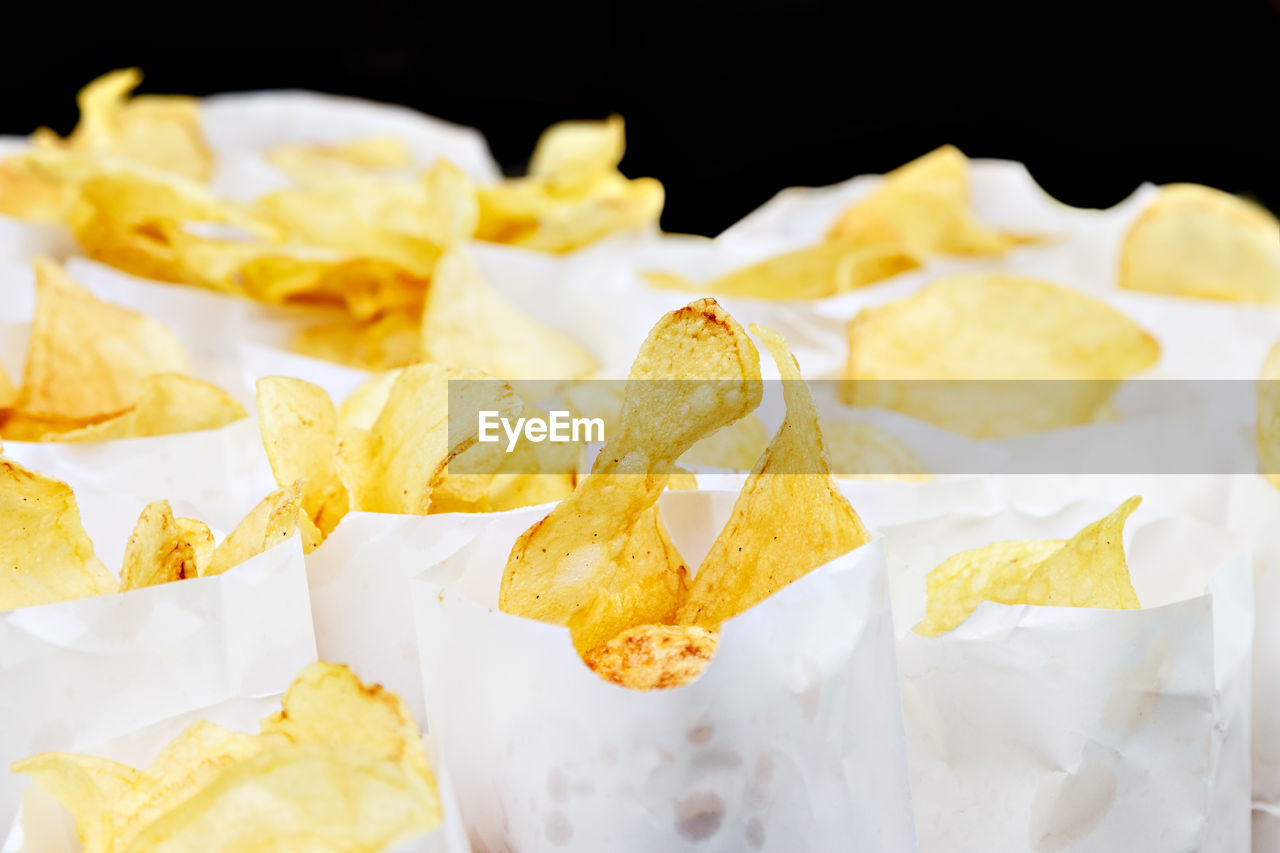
(45, 554)
(1197, 241)
(1087, 571)
(7, 392)
(312, 165)
(168, 403)
(157, 551)
(87, 786)
(272, 521)
(361, 407)
(384, 343)
(654, 657)
(789, 519)
(866, 451)
(299, 427)
(923, 208)
(993, 327)
(572, 155)
(197, 535)
(735, 447)
(1269, 417)
(601, 561)
(828, 269)
(86, 357)
(467, 324)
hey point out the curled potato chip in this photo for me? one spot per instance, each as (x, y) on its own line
(467, 324)
(384, 343)
(198, 535)
(45, 554)
(602, 561)
(993, 327)
(1269, 417)
(86, 357)
(923, 208)
(866, 451)
(654, 657)
(789, 519)
(1197, 241)
(168, 403)
(157, 551)
(299, 427)
(810, 273)
(572, 155)
(87, 786)
(272, 521)
(1087, 571)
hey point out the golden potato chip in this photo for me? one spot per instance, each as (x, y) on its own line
(602, 561)
(45, 554)
(299, 427)
(311, 165)
(272, 521)
(654, 657)
(168, 403)
(572, 155)
(384, 343)
(923, 208)
(864, 450)
(467, 324)
(1269, 417)
(1088, 571)
(993, 327)
(453, 209)
(789, 519)
(197, 535)
(157, 552)
(1197, 241)
(7, 392)
(362, 406)
(811, 273)
(87, 786)
(87, 357)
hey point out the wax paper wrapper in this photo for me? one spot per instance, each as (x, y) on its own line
(43, 826)
(79, 673)
(1047, 728)
(243, 128)
(790, 740)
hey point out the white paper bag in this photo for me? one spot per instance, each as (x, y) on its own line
(790, 740)
(1057, 728)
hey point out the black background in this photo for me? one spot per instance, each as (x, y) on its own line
(728, 102)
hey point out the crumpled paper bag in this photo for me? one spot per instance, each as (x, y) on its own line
(790, 740)
(1046, 728)
(79, 673)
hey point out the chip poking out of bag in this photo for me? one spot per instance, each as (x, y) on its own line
(341, 766)
(1089, 570)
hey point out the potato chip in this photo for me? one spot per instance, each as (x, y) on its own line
(157, 552)
(1269, 417)
(993, 327)
(384, 343)
(86, 357)
(159, 131)
(735, 447)
(87, 786)
(602, 561)
(467, 324)
(197, 535)
(654, 657)
(272, 521)
(45, 554)
(864, 450)
(7, 392)
(815, 272)
(572, 155)
(1088, 571)
(789, 519)
(168, 403)
(299, 427)
(312, 165)
(1197, 241)
(923, 208)
(362, 406)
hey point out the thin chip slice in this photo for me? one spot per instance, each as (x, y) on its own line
(1269, 417)
(157, 552)
(1087, 571)
(572, 155)
(299, 427)
(654, 657)
(86, 357)
(789, 519)
(1197, 241)
(45, 554)
(467, 324)
(87, 786)
(200, 538)
(168, 403)
(601, 561)
(993, 327)
(7, 392)
(923, 208)
(272, 521)
(384, 343)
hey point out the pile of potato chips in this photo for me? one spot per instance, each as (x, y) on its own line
(929, 309)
